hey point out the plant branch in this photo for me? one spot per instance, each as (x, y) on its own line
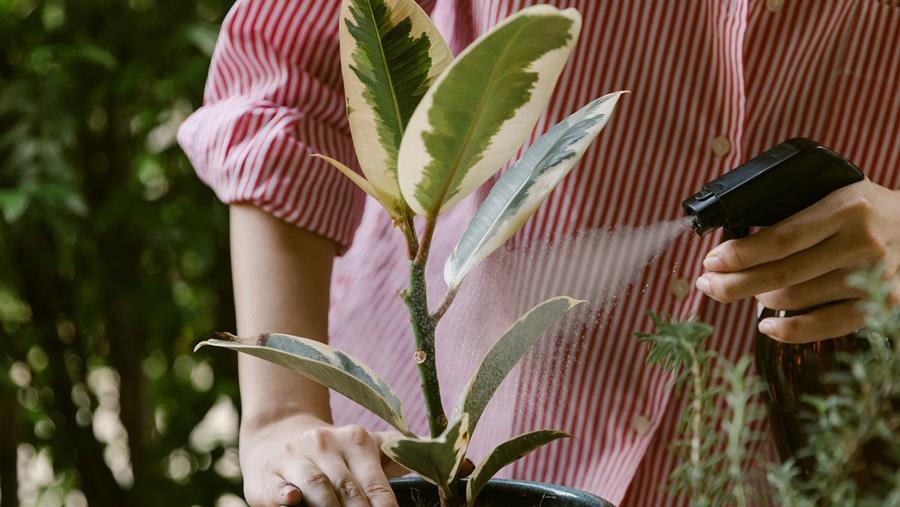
(423, 323)
(423, 326)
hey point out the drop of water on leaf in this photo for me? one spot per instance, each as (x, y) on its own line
(420, 356)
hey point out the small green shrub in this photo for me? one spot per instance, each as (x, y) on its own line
(852, 450)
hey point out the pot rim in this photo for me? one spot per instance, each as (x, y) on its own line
(565, 492)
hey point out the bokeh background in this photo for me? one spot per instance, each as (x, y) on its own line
(113, 260)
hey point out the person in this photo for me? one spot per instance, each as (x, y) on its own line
(712, 84)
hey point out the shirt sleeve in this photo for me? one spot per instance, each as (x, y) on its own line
(274, 96)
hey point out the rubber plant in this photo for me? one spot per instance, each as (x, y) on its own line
(428, 130)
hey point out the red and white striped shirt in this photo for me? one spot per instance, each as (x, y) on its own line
(713, 83)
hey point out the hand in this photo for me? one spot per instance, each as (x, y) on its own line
(302, 458)
(803, 261)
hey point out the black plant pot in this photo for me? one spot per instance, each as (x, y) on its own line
(416, 492)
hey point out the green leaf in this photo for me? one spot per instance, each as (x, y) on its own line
(526, 184)
(675, 343)
(390, 54)
(90, 53)
(504, 454)
(64, 195)
(14, 203)
(203, 36)
(436, 460)
(504, 355)
(325, 365)
(483, 107)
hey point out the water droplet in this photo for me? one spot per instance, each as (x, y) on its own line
(420, 356)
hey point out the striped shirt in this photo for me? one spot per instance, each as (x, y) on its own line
(713, 83)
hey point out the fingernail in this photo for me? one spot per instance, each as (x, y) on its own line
(766, 326)
(702, 283)
(289, 494)
(713, 263)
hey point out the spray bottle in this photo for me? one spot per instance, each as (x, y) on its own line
(767, 189)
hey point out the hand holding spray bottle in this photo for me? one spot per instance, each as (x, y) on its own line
(767, 189)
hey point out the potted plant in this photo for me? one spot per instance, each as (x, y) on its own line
(428, 130)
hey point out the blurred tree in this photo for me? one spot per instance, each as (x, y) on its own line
(113, 259)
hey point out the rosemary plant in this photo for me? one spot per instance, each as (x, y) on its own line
(714, 456)
(853, 444)
(854, 433)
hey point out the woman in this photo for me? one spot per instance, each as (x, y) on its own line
(713, 83)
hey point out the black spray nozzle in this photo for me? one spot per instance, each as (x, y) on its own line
(770, 187)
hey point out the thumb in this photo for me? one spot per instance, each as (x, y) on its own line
(466, 468)
(391, 467)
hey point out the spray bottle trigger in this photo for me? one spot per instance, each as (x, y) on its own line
(736, 232)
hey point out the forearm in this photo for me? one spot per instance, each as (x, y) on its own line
(282, 278)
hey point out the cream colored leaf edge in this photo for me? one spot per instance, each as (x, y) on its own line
(372, 155)
(414, 156)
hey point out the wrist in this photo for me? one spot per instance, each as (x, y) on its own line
(295, 414)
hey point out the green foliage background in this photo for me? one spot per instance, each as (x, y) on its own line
(112, 254)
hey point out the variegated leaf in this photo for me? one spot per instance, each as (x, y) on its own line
(526, 184)
(504, 355)
(481, 109)
(325, 365)
(390, 54)
(503, 455)
(436, 460)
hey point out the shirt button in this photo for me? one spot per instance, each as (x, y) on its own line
(721, 146)
(680, 288)
(774, 5)
(640, 424)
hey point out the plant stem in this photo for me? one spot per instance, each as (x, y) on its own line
(425, 244)
(447, 495)
(696, 474)
(736, 445)
(423, 326)
(409, 232)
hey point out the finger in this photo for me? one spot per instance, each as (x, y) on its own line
(346, 487)
(828, 256)
(798, 232)
(830, 321)
(270, 492)
(827, 288)
(315, 486)
(363, 460)
(285, 493)
(466, 468)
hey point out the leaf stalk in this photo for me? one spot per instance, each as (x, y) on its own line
(445, 304)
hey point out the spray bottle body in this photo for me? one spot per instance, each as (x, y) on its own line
(791, 372)
(767, 189)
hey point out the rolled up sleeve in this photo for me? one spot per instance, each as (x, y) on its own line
(273, 96)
